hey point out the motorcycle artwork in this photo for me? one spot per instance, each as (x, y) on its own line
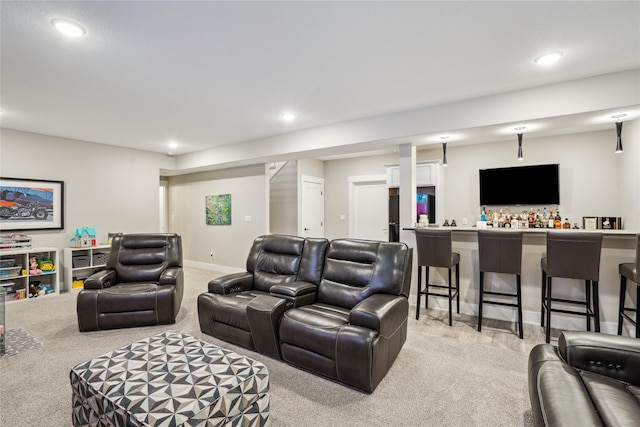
(9, 209)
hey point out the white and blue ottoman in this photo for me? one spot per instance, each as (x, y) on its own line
(170, 379)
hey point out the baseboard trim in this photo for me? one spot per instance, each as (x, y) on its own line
(213, 267)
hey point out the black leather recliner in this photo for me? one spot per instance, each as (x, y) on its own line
(588, 379)
(142, 284)
(357, 325)
(244, 308)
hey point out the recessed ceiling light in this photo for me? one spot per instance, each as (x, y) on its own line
(445, 137)
(618, 116)
(520, 128)
(549, 58)
(68, 28)
(173, 144)
(287, 117)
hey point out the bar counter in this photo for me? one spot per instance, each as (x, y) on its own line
(618, 246)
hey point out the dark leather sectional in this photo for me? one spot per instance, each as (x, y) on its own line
(336, 308)
(588, 379)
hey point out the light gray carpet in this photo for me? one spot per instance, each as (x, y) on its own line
(444, 376)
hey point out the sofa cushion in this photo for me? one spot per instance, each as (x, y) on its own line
(614, 400)
(314, 327)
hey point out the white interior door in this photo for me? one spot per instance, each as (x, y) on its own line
(369, 217)
(311, 207)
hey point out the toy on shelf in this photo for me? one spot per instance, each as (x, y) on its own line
(33, 266)
(84, 236)
(46, 265)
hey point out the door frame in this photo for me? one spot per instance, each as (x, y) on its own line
(360, 180)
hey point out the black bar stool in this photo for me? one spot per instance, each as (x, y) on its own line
(572, 255)
(434, 250)
(629, 271)
(500, 252)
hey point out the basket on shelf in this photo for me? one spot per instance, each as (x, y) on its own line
(79, 261)
(100, 258)
(5, 263)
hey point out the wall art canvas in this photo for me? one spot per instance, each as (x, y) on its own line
(218, 209)
(31, 204)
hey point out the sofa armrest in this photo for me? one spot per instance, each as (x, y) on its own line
(614, 356)
(101, 280)
(171, 276)
(381, 312)
(231, 283)
(293, 289)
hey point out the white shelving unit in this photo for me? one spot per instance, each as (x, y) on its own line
(18, 278)
(80, 263)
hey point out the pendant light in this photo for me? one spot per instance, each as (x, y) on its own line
(520, 147)
(617, 117)
(444, 150)
(619, 133)
(519, 128)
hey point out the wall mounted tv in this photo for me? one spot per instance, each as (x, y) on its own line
(523, 185)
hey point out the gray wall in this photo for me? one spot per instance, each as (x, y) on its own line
(248, 187)
(109, 188)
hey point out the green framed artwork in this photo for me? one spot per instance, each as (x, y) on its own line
(218, 209)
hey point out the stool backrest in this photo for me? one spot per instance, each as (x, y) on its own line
(500, 251)
(434, 247)
(574, 255)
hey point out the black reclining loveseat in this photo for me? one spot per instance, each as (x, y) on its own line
(588, 379)
(337, 308)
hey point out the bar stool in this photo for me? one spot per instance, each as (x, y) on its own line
(434, 250)
(500, 252)
(572, 255)
(629, 271)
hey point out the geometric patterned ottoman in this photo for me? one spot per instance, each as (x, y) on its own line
(170, 379)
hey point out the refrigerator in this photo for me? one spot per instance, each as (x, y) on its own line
(425, 205)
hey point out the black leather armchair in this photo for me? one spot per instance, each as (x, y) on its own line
(142, 284)
(244, 308)
(588, 379)
(357, 325)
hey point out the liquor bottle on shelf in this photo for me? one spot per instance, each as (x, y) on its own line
(501, 219)
(483, 215)
(566, 225)
(558, 220)
(545, 217)
(531, 218)
(550, 220)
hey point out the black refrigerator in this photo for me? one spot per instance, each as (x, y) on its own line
(425, 205)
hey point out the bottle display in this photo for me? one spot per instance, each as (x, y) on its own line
(532, 218)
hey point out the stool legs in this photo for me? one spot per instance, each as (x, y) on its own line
(623, 294)
(457, 288)
(596, 305)
(543, 297)
(519, 298)
(587, 296)
(547, 330)
(419, 292)
(426, 288)
(480, 302)
(450, 294)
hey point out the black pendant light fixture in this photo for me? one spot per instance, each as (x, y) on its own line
(444, 150)
(519, 128)
(618, 131)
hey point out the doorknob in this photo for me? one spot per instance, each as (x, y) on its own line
(306, 229)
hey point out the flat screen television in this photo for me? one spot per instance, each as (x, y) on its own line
(522, 185)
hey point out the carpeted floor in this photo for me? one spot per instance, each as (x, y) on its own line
(444, 376)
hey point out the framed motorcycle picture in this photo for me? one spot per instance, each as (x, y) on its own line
(31, 204)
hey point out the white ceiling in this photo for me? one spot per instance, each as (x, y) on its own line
(212, 73)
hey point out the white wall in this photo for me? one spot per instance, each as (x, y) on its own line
(283, 200)
(336, 186)
(109, 188)
(230, 243)
(590, 173)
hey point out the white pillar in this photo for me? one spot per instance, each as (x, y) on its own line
(407, 192)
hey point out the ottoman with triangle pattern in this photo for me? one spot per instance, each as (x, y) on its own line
(170, 379)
